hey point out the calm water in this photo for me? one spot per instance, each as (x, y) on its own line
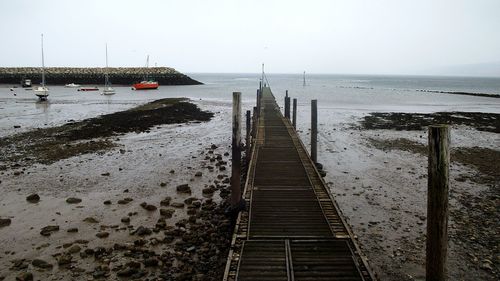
(352, 95)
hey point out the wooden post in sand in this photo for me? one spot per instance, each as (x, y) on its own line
(287, 106)
(314, 130)
(294, 121)
(437, 202)
(236, 151)
(248, 144)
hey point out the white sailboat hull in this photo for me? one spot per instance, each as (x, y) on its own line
(41, 92)
(108, 91)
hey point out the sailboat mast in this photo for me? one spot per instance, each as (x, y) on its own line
(43, 65)
(304, 79)
(106, 78)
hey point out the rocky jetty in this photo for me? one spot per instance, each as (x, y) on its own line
(94, 75)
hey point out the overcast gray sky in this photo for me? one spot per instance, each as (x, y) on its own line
(348, 36)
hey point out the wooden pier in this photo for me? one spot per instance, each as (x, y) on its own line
(292, 229)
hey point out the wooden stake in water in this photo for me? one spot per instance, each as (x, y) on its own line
(437, 202)
(236, 151)
(314, 130)
(294, 122)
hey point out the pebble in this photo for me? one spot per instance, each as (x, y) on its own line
(125, 220)
(73, 200)
(142, 231)
(107, 202)
(33, 198)
(198, 174)
(105, 174)
(64, 259)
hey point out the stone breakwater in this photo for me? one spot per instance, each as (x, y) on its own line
(94, 75)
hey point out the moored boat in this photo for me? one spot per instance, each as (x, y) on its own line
(42, 92)
(87, 89)
(72, 85)
(146, 84)
(108, 90)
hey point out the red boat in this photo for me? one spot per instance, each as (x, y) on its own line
(145, 85)
(88, 89)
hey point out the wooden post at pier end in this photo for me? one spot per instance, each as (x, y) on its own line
(314, 130)
(287, 105)
(254, 122)
(248, 144)
(437, 202)
(258, 102)
(236, 152)
(294, 121)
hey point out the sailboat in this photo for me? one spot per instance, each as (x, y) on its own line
(108, 90)
(304, 79)
(42, 92)
(146, 84)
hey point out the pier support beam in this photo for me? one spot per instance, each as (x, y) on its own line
(236, 152)
(437, 202)
(254, 122)
(258, 102)
(294, 122)
(314, 130)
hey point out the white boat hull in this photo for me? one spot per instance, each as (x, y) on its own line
(41, 92)
(108, 91)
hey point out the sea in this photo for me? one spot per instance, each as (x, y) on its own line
(349, 96)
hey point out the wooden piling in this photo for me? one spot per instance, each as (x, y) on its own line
(314, 130)
(258, 102)
(287, 107)
(437, 202)
(254, 122)
(294, 122)
(236, 151)
(248, 144)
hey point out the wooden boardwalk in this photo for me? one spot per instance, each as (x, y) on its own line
(293, 229)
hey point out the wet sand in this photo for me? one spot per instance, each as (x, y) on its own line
(132, 221)
(378, 175)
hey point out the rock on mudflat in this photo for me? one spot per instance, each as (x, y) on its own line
(102, 234)
(183, 188)
(24, 276)
(148, 207)
(125, 220)
(33, 198)
(41, 264)
(5, 222)
(47, 230)
(73, 200)
(177, 204)
(90, 220)
(167, 212)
